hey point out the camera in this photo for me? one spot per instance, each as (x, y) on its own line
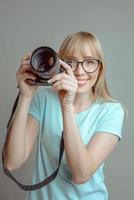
(45, 64)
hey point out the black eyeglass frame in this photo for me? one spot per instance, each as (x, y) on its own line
(78, 62)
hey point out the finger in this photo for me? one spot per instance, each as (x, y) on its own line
(63, 82)
(62, 87)
(59, 77)
(26, 62)
(23, 68)
(66, 67)
(25, 76)
(25, 65)
(26, 57)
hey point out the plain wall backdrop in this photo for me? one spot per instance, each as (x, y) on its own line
(25, 25)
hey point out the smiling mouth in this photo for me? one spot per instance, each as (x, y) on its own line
(82, 82)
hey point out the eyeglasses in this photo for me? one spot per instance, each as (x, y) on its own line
(89, 65)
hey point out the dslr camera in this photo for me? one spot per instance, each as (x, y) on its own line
(45, 64)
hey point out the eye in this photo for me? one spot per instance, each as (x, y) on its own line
(72, 62)
(90, 62)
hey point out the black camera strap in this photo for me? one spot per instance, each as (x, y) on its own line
(42, 183)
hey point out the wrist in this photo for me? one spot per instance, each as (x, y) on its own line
(67, 107)
(26, 99)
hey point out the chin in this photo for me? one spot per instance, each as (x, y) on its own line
(84, 90)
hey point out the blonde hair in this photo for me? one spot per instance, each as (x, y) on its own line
(79, 41)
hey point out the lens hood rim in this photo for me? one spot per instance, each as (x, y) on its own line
(39, 49)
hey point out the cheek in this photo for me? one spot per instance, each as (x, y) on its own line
(93, 78)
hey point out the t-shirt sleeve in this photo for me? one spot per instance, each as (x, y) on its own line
(34, 108)
(111, 120)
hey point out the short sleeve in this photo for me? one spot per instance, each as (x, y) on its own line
(34, 108)
(111, 119)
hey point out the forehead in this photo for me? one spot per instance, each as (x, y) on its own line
(82, 50)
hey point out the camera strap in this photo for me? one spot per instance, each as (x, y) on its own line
(42, 183)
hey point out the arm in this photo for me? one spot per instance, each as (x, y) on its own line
(23, 130)
(84, 160)
(21, 136)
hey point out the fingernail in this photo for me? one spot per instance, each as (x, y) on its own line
(49, 81)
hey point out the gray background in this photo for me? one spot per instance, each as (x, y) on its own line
(25, 25)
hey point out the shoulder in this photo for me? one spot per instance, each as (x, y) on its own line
(108, 106)
(111, 117)
(111, 109)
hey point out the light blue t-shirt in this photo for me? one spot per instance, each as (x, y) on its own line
(99, 117)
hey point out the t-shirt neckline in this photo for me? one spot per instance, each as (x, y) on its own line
(88, 108)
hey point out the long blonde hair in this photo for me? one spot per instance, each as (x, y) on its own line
(79, 41)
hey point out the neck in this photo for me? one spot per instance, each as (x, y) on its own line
(83, 101)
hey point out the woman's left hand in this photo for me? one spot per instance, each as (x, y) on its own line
(65, 84)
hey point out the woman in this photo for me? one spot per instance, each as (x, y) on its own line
(78, 103)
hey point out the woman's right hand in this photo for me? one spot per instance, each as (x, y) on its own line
(24, 73)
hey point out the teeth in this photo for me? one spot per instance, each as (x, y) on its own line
(82, 82)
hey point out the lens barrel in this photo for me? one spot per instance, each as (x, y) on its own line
(45, 64)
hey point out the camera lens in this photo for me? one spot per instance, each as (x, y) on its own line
(43, 59)
(45, 64)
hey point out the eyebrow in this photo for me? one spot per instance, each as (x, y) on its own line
(85, 57)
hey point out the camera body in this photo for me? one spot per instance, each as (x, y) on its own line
(45, 64)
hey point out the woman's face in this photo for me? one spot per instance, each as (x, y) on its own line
(85, 80)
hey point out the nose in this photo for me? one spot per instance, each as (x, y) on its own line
(80, 69)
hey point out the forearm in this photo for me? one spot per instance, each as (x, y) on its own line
(77, 155)
(15, 146)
